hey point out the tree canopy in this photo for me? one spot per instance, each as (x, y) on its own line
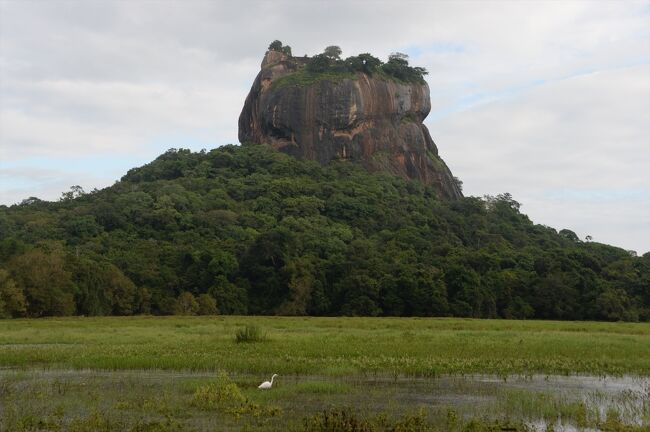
(276, 45)
(396, 68)
(333, 52)
(246, 229)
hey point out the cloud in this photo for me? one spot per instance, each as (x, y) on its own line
(574, 152)
(547, 100)
(25, 181)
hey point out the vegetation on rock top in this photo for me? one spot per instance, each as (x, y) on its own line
(330, 66)
(304, 78)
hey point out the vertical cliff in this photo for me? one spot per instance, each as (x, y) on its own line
(372, 120)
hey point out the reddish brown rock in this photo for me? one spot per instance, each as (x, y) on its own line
(376, 122)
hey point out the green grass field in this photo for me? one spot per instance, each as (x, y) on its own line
(329, 346)
(366, 374)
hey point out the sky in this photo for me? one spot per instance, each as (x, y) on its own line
(546, 100)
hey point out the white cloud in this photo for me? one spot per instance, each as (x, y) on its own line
(25, 181)
(547, 100)
(574, 152)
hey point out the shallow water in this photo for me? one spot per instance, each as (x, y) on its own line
(538, 399)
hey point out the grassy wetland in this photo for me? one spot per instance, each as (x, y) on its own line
(201, 373)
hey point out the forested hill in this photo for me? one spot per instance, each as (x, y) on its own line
(246, 229)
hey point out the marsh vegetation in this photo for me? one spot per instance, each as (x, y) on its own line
(183, 400)
(367, 347)
(339, 374)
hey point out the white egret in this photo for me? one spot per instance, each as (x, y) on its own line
(267, 384)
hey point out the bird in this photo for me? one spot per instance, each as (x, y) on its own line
(267, 384)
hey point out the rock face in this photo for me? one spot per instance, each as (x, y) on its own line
(373, 121)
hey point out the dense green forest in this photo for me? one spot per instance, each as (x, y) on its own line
(248, 230)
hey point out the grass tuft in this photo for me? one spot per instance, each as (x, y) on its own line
(342, 420)
(222, 393)
(250, 333)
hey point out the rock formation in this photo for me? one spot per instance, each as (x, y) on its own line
(372, 120)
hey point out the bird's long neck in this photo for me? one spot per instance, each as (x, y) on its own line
(272, 378)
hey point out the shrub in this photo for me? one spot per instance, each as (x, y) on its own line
(337, 421)
(398, 67)
(318, 64)
(365, 63)
(476, 425)
(250, 334)
(276, 45)
(222, 394)
(413, 422)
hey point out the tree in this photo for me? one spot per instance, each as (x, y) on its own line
(12, 300)
(223, 263)
(365, 63)
(301, 282)
(276, 45)
(398, 57)
(101, 287)
(186, 304)
(361, 295)
(30, 201)
(82, 227)
(459, 183)
(47, 285)
(303, 206)
(262, 232)
(398, 67)
(569, 235)
(143, 301)
(318, 63)
(75, 192)
(207, 305)
(332, 52)
(420, 71)
(614, 305)
(122, 291)
(370, 63)
(464, 288)
(231, 298)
